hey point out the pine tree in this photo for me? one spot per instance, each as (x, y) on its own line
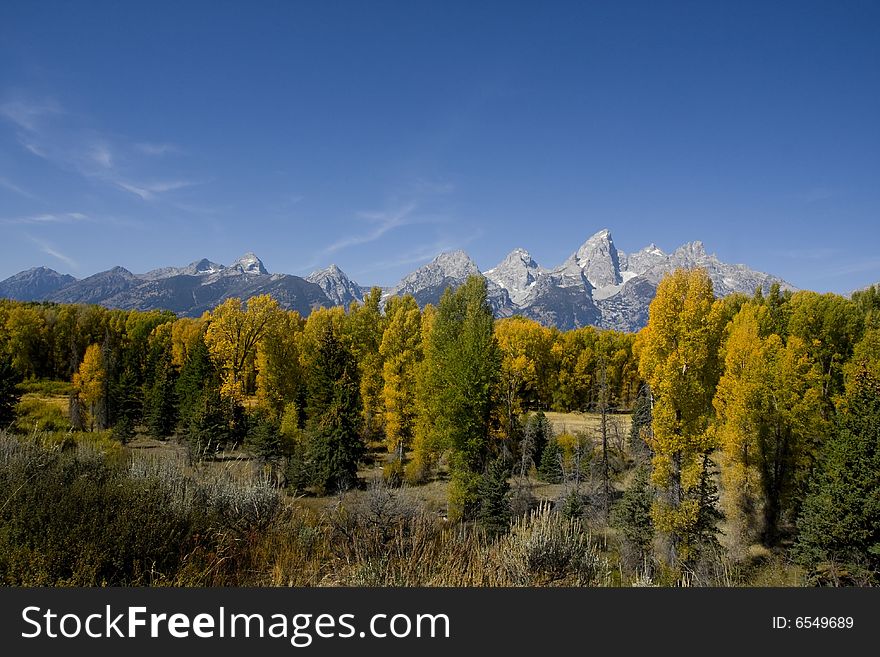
(536, 435)
(196, 375)
(550, 469)
(9, 395)
(334, 415)
(839, 524)
(161, 400)
(494, 493)
(460, 372)
(632, 516)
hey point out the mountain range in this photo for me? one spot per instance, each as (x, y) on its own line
(596, 285)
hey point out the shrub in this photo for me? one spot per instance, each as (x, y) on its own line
(545, 548)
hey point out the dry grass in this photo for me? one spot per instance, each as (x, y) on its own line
(588, 422)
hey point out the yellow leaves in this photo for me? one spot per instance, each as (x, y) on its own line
(184, 334)
(401, 349)
(233, 334)
(89, 379)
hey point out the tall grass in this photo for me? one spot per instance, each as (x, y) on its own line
(78, 516)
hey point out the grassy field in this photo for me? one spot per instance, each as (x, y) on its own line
(430, 496)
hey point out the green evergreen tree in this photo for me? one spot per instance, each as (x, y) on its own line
(494, 493)
(839, 523)
(640, 424)
(125, 393)
(461, 369)
(9, 395)
(537, 433)
(550, 469)
(334, 422)
(207, 428)
(196, 376)
(632, 517)
(161, 400)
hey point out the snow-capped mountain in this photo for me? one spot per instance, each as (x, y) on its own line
(189, 290)
(338, 287)
(596, 285)
(203, 267)
(451, 269)
(517, 274)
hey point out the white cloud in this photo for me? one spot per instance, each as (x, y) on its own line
(49, 218)
(149, 191)
(48, 249)
(101, 155)
(384, 221)
(12, 187)
(28, 114)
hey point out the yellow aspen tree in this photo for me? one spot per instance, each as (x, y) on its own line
(232, 336)
(90, 382)
(279, 373)
(366, 326)
(769, 405)
(185, 333)
(678, 357)
(401, 351)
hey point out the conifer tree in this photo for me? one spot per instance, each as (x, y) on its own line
(334, 422)
(839, 524)
(493, 495)
(550, 469)
(461, 369)
(9, 395)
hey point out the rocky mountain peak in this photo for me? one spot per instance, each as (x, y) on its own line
(338, 287)
(249, 263)
(517, 273)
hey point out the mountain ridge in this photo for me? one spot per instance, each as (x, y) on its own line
(596, 285)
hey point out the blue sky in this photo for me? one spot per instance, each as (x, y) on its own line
(377, 134)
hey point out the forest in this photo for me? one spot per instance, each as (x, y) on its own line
(732, 441)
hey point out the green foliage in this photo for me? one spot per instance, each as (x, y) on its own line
(161, 400)
(537, 434)
(493, 493)
(9, 394)
(334, 422)
(632, 517)
(79, 517)
(461, 368)
(640, 424)
(840, 520)
(550, 469)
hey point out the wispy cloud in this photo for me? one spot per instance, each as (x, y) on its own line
(12, 187)
(38, 219)
(94, 155)
(384, 221)
(857, 267)
(156, 149)
(27, 114)
(50, 250)
(149, 191)
(101, 155)
(423, 253)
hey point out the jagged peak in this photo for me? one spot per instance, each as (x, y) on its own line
(249, 263)
(333, 270)
(653, 249)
